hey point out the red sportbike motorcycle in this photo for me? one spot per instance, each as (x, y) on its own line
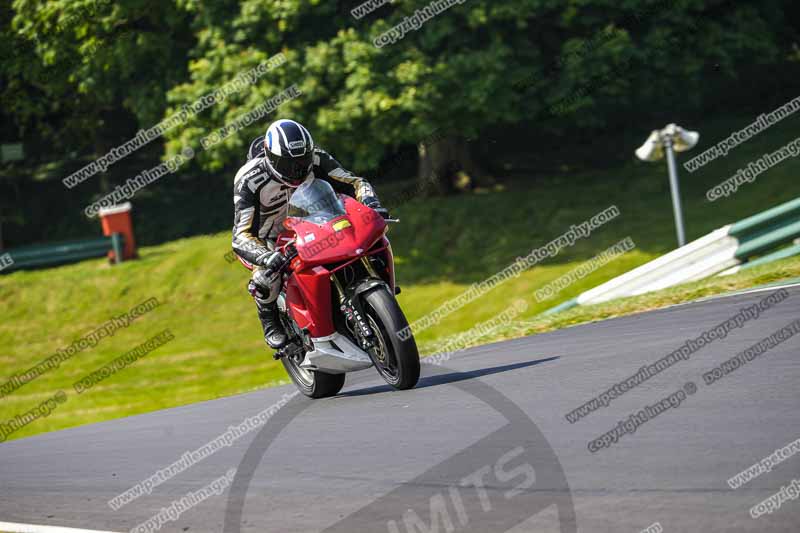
(338, 301)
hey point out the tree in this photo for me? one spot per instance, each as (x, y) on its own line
(555, 65)
(84, 74)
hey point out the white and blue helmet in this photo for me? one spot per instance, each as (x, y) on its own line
(290, 151)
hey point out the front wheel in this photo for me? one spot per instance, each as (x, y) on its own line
(396, 360)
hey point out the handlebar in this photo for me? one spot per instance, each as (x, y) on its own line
(291, 253)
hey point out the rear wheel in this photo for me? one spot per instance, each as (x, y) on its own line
(310, 382)
(396, 360)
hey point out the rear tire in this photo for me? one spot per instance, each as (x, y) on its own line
(312, 383)
(386, 317)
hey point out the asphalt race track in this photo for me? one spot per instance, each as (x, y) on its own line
(482, 445)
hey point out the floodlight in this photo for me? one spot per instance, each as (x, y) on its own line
(671, 139)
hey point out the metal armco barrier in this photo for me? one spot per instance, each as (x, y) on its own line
(65, 252)
(768, 230)
(723, 251)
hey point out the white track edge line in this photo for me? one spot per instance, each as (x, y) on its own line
(704, 299)
(747, 291)
(11, 527)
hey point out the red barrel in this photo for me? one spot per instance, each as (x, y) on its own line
(118, 219)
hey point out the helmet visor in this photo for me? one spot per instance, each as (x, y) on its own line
(294, 169)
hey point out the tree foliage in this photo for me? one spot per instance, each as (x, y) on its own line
(95, 71)
(554, 64)
(85, 73)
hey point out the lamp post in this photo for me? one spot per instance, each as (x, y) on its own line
(671, 139)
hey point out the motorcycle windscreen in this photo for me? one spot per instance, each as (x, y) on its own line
(315, 201)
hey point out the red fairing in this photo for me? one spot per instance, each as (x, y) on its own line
(342, 239)
(308, 298)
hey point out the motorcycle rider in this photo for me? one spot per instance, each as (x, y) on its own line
(278, 162)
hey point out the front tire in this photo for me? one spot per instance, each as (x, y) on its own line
(396, 360)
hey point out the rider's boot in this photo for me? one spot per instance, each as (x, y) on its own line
(274, 333)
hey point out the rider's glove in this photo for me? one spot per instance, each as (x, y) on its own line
(374, 203)
(275, 263)
(371, 202)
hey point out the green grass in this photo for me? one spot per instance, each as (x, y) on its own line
(217, 349)
(442, 246)
(777, 272)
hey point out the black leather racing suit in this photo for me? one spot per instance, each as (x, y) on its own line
(260, 207)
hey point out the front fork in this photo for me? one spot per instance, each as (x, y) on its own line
(354, 313)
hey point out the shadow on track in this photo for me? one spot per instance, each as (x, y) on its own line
(519, 435)
(450, 377)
